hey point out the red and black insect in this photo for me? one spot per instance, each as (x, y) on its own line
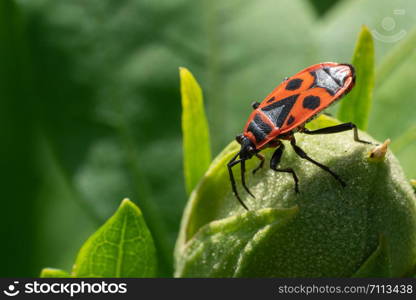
(285, 110)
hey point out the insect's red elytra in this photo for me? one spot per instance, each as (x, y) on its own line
(285, 111)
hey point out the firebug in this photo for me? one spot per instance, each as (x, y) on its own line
(285, 111)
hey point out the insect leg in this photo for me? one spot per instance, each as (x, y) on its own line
(303, 155)
(338, 128)
(232, 163)
(261, 157)
(275, 160)
(243, 177)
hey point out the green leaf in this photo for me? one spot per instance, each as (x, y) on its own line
(122, 247)
(196, 143)
(54, 273)
(357, 104)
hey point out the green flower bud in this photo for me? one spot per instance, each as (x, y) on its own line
(366, 229)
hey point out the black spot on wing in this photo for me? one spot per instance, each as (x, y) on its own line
(258, 128)
(278, 111)
(290, 120)
(270, 100)
(294, 84)
(311, 102)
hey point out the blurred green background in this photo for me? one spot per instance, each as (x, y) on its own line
(90, 104)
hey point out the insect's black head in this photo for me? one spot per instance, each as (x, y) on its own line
(247, 147)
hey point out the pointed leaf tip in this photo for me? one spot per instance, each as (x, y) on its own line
(126, 203)
(122, 247)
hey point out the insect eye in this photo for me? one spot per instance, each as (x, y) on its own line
(239, 138)
(255, 105)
